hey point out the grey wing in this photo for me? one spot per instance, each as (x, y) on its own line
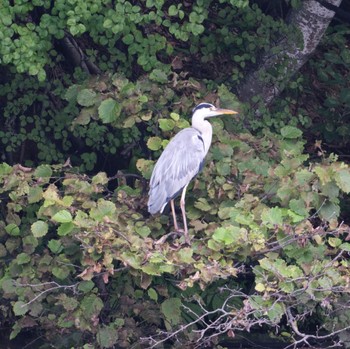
(180, 161)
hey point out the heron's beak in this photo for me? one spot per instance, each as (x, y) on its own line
(221, 111)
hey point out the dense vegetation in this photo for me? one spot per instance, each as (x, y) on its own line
(91, 92)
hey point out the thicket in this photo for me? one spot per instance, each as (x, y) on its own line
(268, 215)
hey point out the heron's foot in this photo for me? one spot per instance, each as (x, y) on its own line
(187, 240)
(175, 234)
(166, 236)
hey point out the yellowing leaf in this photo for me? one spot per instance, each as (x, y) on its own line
(260, 287)
(154, 143)
(324, 174)
(51, 195)
(145, 167)
(100, 178)
(175, 116)
(342, 178)
(334, 242)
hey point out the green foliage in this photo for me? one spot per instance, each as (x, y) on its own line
(98, 119)
(331, 69)
(71, 241)
(142, 33)
(80, 260)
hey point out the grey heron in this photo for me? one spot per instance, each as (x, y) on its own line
(180, 162)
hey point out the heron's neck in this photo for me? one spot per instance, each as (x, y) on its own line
(206, 130)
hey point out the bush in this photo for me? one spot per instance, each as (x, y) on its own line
(83, 260)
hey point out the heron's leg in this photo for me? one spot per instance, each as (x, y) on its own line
(174, 215)
(182, 205)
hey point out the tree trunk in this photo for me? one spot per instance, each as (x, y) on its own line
(274, 70)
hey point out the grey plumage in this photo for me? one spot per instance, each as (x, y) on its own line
(181, 160)
(180, 168)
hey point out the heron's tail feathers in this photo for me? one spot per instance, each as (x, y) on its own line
(157, 200)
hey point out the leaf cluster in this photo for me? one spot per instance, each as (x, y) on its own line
(259, 206)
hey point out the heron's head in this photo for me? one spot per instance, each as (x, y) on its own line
(207, 110)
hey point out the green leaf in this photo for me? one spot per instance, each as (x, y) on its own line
(67, 201)
(152, 293)
(72, 93)
(108, 23)
(86, 97)
(303, 176)
(55, 246)
(5, 169)
(203, 205)
(291, 132)
(158, 75)
(60, 272)
(91, 306)
(3, 251)
(154, 143)
(100, 178)
(175, 116)
(166, 124)
(329, 211)
(172, 11)
(185, 255)
(109, 110)
(345, 246)
(104, 208)
(107, 336)
(334, 242)
(171, 309)
(20, 308)
(23, 258)
(12, 229)
(324, 173)
(35, 194)
(342, 178)
(39, 229)
(65, 228)
(84, 116)
(86, 286)
(143, 231)
(43, 171)
(272, 216)
(128, 39)
(260, 287)
(227, 235)
(275, 312)
(62, 216)
(8, 285)
(298, 206)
